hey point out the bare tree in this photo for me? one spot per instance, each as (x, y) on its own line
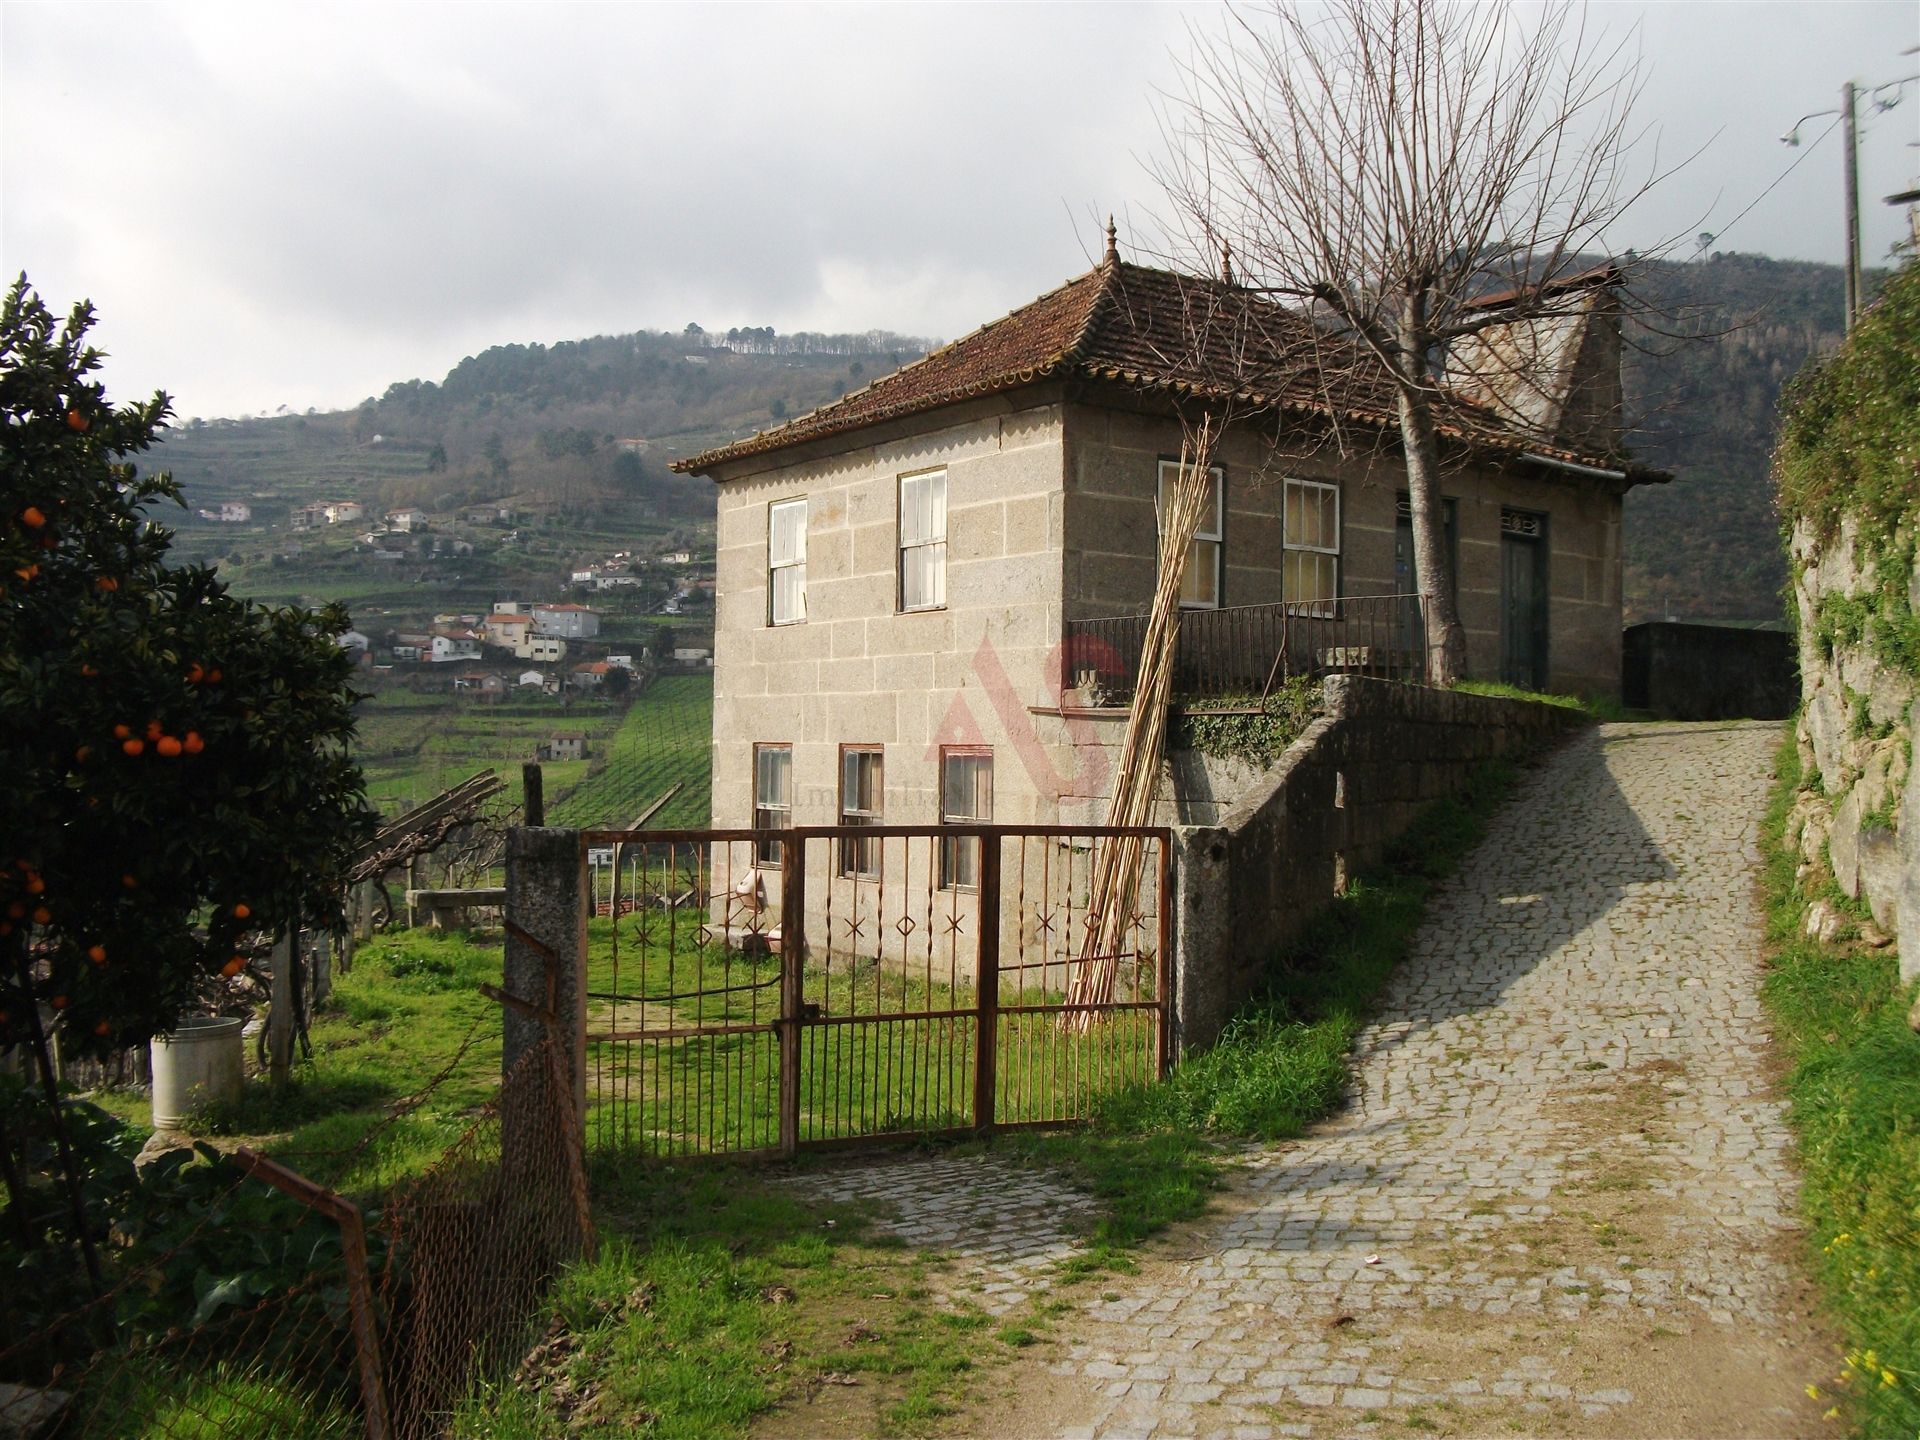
(1389, 163)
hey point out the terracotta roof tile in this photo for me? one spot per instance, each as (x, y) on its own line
(1153, 330)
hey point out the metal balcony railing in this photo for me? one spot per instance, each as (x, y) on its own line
(1251, 649)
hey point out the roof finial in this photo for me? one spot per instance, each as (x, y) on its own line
(1226, 262)
(1113, 240)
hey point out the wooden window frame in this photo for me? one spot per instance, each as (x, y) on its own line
(902, 547)
(858, 858)
(1329, 606)
(768, 852)
(950, 847)
(1217, 537)
(775, 567)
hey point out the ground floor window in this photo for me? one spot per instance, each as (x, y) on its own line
(772, 797)
(966, 798)
(861, 789)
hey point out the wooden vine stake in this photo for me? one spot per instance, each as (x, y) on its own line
(1114, 903)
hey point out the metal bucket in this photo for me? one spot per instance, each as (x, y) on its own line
(203, 1061)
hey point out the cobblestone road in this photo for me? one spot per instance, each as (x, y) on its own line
(1559, 1199)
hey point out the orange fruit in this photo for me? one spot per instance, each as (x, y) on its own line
(107, 582)
(59, 1002)
(121, 732)
(97, 954)
(103, 1028)
(43, 916)
(233, 967)
(242, 911)
(88, 671)
(17, 909)
(27, 572)
(213, 677)
(153, 730)
(168, 746)
(193, 744)
(32, 518)
(83, 754)
(35, 885)
(130, 882)
(77, 422)
(133, 747)
(195, 672)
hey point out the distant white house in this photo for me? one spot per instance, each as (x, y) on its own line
(692, 655)
(548, 649)
(621, 662)
(231, 512)
(571, 622)
(354, 640)
(537, 679)
(677, 557)
(339, 512)
(448, 647)
(407, 517)
(508, 630)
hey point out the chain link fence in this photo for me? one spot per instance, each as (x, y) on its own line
(241, 1297)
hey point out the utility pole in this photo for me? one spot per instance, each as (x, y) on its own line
(1853, 204)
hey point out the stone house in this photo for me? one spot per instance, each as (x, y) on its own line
(898, 571)
(563, 745)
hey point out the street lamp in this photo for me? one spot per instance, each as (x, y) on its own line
(1884, 97)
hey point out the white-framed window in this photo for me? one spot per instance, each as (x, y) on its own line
(923, 541)
(786, 562)
(966, 798)
(1310, 577)
(862, 777)
(1200, 585)
(772, 797)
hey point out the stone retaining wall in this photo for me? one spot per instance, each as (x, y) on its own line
(1858, 715)
(1343, 791)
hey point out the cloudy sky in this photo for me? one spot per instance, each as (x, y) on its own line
(276, 204)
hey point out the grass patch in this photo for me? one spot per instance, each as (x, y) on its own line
(717, 1296)
(1854, 1102)
(1602, 708)
(1153, 1152)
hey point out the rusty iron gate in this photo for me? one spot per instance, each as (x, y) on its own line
(760, 992)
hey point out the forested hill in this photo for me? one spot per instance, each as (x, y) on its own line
(1708, 545)
(582, 431)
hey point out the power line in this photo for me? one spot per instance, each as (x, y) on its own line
(1778, 179)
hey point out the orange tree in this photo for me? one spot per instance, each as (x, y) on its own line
(174, 767)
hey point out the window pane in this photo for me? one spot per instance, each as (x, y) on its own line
(774, 772)
(923, 576)
(787, 532)
(967, 790)
(1200, 584)
(923, 508)
(789, 594)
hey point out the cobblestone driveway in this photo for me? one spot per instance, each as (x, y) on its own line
(1559, 1200)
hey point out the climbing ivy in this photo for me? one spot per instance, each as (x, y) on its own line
(1247, 727)
(1850, 445)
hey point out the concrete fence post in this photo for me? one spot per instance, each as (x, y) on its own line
(1202, 935)
(546, 948)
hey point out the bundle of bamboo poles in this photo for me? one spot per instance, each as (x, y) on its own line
(1114, 901)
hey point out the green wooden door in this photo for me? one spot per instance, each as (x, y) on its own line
(1523, 600)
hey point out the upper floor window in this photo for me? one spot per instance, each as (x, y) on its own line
(772, 797)
(1200, 585)
(923, 541)
(1311, 538)
(787, 562)
(966, 798)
